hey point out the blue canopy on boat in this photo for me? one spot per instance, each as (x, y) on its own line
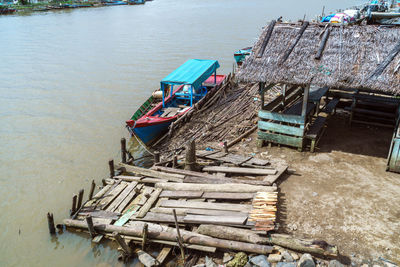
(193, 72)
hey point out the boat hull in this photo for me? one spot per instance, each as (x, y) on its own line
(152, 132)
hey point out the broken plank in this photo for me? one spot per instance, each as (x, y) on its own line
(221, 180)
(146, 195)
(253, 171)
(100, 214)
(163, 255)
(256, 161)
(206, 205)
(181, 194)
(219, 195)
(111, 195)
(186, 211)
(199, 219)
(146, 207)
(143, 180)
(129, 198)
(160, 217)
(114, 205)
(270, 179)
(152, 173)
(127, 215)
(98, 195)
(230, 188)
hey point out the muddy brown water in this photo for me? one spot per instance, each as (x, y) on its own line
(69, 79)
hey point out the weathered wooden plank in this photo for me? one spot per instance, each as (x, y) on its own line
(256, 161)
(204, 153)
(219, 195)
(280, 128)
(206, 205)
(114, 205)
(290, 49)
(146, 195)
(272, 178)
(216, 156)
(146, 207)
(269, 115)
(129, 198)
(111, 196)
(160, 218)
(253, 171)
(144, 180)
(102, 220)
(186, 211)
(127, 215)
(98, 196)
(181, 194)
(281, 139)
(198, 219)
(229, 188)
(221, 180)
(152, 173)
(163, 255)
(235, 159)
(100, 214)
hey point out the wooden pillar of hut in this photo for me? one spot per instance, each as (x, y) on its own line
(284, 88)
(190, 160)
(304, 112)
(261, 86)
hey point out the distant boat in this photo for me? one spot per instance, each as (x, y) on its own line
(115, 3)
(242, 54)
(136, 2)
(4, 10)
(193, 80)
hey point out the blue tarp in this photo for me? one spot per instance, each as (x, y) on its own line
(193, 72)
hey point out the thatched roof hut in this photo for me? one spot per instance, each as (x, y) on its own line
(352, 57)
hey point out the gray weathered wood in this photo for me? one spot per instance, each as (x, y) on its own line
(169, 234)
(106, 200)
(129, 198)
(144, 180)
(114, 205)
(92, 187)
(270, 179)
(100, 214)
(163, 255)
(290, 49)
(98, 196)
(146, 195)
(146, 207)
(271, 26)
(181, 194)
(253, 171)
(152, 173)
(205, 205)
(229, 188)
(231, 233)
(221, 180)
(186, 211)
(198, 219)
(218, 195)
(160, 218)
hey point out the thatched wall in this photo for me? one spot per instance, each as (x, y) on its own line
(351, 56)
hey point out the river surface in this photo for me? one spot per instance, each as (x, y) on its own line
(68, 81)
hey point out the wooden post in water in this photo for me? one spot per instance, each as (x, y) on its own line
(50, 221)
(80, 198)
(89, 222)
(73, 208)
(92, 186)
(111, 165)
(122, 244)
(123, 150)
(175, 162)
(190, 160)
(156, 157)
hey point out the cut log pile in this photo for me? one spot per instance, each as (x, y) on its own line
(229, 204)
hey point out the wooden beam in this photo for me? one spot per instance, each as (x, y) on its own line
(229, 188)
(152, 173)
(114, 205)
(253, 171)
(181, 194)
(323, 43)
(381, 67)
(290, 49)
(206, 205)
(198, 219)
(186, 211)
(266, 39)
(219, 195)
(146, 207)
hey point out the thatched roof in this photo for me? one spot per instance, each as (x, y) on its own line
(352, 58)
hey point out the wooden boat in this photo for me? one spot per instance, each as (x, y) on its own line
(4, 10)
(242, 54)
(193, 80)
(115, 3)
(136, 2)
